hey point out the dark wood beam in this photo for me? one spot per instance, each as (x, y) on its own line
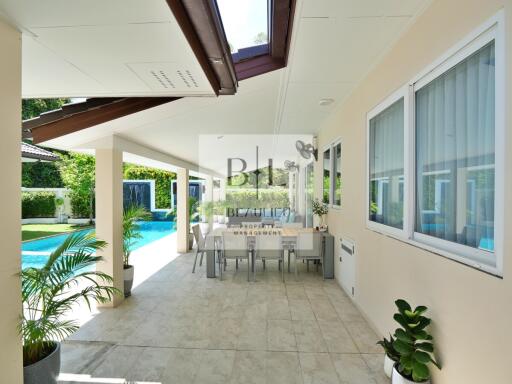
(257, 66)
(201, 24)
(88, 114)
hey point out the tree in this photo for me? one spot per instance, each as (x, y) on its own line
(78, 172)
(261, 38)
(31, 108)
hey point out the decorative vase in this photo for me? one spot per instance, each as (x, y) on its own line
(45, 371)
(388, 365)
(397, 378)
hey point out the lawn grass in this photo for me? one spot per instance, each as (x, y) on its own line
(36, 231)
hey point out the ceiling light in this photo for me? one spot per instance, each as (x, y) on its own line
(325, 102)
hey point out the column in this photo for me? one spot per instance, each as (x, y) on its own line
(109, 215)
(209, 198)
(10, 194)
(182, 210)
(222, 197)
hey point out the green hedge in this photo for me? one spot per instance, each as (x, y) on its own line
(267, 198)
(163, 180)
(37, 204)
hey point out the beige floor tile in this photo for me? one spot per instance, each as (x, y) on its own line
(282, 368)
(308, 336)
(323, 309)
(375, 361)
(278, 309)
(280, 336)
(215, 367)
(249, 367)
(364, 337)
(352, 369)
(317, 368)
(336, 337)
(300, 309)
(182, 366)
(253, 335)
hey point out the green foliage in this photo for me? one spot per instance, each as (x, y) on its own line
(40, 175)
(31, 108)
(163, 180)
(320, 209)
(78, 174)
(267, 198)
(389, 349)
(413, 343)
(51, 292)
(247, 180)
(131, 229)
(37, 204)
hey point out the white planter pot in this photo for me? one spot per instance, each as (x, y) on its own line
(128, 280)
(388, 365)
(397, 378)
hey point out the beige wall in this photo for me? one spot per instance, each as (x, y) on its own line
(471, 310)
(10, 195)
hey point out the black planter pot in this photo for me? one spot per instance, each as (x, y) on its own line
(45, 371)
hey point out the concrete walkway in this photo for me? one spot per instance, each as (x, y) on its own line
(180, 327)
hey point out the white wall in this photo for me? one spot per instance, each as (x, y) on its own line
(471, 310)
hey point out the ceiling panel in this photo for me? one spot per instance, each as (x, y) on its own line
(361, 8)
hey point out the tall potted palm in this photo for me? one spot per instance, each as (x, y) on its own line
(131, 232)
(49, 294)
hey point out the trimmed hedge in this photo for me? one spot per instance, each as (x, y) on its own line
(163, 180)
(267, 198)
(37, 204)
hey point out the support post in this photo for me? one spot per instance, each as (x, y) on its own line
(10, 194)
(182, 211)
(109, 215)
(209, 198)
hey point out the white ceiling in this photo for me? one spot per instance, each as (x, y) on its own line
(335, 43)
(87, 48)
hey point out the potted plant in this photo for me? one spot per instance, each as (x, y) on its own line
(391, 355)
(131, 216)
(320, 209)
(413, 344)
(49, 294)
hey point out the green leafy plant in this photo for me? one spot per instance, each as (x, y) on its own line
(131, 229)
(49, 293)
(413, 343)
(389, 349)
(320, 209)
(37, 204)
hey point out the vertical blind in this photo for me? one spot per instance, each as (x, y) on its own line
(455, 153)
(387, 166)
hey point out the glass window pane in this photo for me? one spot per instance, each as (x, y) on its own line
(246, 26)
(337, 174)
(327, 176)
(455, 154)
(387, 166)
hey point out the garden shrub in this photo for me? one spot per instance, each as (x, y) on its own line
(163, 180)
(267, 198)
(37, 204)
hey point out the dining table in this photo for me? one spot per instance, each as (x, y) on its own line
(289, 236)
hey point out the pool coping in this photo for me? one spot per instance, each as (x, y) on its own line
(58, 234)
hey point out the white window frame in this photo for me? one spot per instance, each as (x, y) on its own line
(402, 93)
(332, 178)
(492, 29)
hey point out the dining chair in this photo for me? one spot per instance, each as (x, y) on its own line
(309, 247)
(289, 244)
(268, 247)
(234, 246)
(200, 241)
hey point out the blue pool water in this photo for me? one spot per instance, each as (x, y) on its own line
(35, 253)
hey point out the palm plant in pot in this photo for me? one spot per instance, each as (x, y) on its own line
(391, 355)
(49, 294)
(131, 232)
(414, 345)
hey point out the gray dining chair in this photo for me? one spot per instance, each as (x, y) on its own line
(309, 247)
(201, 248)
(234, 246)
(290, 244)
(268, 247)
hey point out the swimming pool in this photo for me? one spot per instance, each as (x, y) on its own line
(35, 253)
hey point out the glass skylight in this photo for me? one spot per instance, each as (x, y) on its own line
(246, 26)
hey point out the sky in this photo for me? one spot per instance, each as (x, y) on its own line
(243, 20)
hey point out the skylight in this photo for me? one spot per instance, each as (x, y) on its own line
(246, 26)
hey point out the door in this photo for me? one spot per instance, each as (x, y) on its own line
(347, 275)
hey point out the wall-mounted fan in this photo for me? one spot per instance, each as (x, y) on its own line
(291, 166)
(306, 150)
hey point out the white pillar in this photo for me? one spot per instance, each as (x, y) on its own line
(109, 214)
(10, 194)
(209, 197)
(182, 211)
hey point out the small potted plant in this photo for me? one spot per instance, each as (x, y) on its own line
(131, 216)
(320, 209)
(414, 345)
(49, 294)
(391, 355)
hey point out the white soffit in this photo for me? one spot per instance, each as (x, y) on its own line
(94, 48)
(336, 43)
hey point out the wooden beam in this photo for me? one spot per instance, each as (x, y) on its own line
(88, 117)
(257, 66)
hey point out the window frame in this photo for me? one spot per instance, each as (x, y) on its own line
(401, 93)
(329, 149)
(492, 30)
(332, 179)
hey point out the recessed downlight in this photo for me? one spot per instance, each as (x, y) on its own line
(325, 102)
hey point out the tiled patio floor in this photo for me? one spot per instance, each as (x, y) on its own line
(180, 327)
